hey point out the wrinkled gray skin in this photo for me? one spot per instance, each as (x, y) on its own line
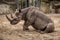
(33, 16)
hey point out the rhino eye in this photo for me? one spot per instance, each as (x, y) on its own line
(16, 19)
(17, 14)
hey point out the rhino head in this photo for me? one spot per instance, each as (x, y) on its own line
(14, 20)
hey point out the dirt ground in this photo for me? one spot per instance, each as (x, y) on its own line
(15, 32)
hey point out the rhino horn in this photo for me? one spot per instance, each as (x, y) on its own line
(12, 16)
(8, 18)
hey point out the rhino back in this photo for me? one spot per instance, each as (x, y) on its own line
(42, 16)
(41, 20)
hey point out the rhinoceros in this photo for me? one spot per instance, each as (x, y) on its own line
(32, 16)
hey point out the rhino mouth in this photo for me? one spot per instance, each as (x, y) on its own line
(14, 22)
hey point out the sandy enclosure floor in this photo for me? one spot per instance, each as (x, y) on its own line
(15, 32)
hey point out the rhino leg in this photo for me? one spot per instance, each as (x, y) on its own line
(50, 28)
(26, 24)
